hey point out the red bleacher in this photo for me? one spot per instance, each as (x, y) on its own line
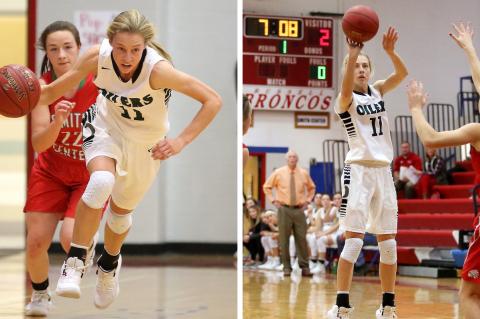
(434, 222)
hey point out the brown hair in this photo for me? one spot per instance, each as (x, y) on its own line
(54, 27)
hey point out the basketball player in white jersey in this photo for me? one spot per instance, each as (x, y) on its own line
(124, 140)
(369, 199)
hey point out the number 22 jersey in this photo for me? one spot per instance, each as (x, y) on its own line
(367, 128)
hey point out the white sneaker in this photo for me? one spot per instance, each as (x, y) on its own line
(275, 263)
(89, 260)
(279, 268)
(311, 264)
(318, 269)
(386, 312)
(71, 274)
(267, 264)
(40, 304)
(108, 287)
(339, 313)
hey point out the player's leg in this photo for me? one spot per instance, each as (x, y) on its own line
(40, 230)
(358, 186)
(470, 299)
(388, 273)
(87, 219)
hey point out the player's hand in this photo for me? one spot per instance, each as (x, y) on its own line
(417, 98)
(62, 111)
(167, 148)
(389, 39)
(354, 48)
(464, 35)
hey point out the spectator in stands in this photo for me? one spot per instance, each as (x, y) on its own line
(434, 174)
(337, 200)
(294, 189)
(314, 226)
(251, 237)
(326, 236)
(467, 134)
(409, 161)
(317, 202)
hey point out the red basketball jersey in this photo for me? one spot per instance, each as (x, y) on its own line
(475, 156)
(66, 153)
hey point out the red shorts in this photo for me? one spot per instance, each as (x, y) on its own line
(471, 267)
(49, 194)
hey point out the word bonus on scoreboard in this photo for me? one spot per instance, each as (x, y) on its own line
(288, 62)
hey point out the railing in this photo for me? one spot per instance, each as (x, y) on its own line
(334, 151)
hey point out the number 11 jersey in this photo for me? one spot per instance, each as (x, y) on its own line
(368, 131)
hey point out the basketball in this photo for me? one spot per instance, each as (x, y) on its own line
(360, 23)
(20, 90)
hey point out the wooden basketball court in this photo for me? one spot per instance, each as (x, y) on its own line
(269, 295)
(149, 288)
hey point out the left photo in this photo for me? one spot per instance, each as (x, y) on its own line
(118, 159)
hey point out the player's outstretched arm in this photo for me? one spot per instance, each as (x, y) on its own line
(86, 64)
(417, 99)
(345, 97)
(400, 70)
(165, 76)
(464, 39)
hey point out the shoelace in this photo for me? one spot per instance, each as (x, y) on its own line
(343, 313)
(73, 268)
(107, 280)
(37, 297)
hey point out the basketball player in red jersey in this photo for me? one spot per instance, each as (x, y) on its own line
(469, 133)
(59, 175)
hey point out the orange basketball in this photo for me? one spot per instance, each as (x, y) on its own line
(360, 23)
(20, 90)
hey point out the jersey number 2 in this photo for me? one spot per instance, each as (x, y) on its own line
(374, 126)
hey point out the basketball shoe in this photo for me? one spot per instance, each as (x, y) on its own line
(386, 312)
(339, 313)
(108, 287)
(40, 304)
(71, 274)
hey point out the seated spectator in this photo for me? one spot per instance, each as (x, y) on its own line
(251, 237)
(317, 201)
(327, 234)
(410, 162)
(434, 174)
(360, 267)
(337, 200)
(313, 226)
(269, 239)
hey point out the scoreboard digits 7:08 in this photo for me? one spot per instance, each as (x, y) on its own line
(288, 51)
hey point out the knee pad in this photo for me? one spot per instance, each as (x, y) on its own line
(99, 188)
(119, 224)
(353, 247)
(388, 251)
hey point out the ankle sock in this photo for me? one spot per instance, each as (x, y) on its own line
(108, 262)
(40, 286)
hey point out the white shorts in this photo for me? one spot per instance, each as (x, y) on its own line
(135, 168)
(369, 200)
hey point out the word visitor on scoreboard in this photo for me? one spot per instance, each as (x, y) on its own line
(289, 99)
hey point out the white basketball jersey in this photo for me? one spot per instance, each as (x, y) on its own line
(133, 109)
(366, 124)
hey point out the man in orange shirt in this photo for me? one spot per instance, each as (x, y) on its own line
(294, 189)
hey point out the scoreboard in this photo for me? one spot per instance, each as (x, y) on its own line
(288, 57)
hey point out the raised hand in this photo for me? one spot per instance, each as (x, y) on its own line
(389, 40)
(463, 36)
(354, 48)
(417, 97)
(62, 111)
(167, 148)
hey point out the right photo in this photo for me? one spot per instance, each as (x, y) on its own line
(361, 165)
